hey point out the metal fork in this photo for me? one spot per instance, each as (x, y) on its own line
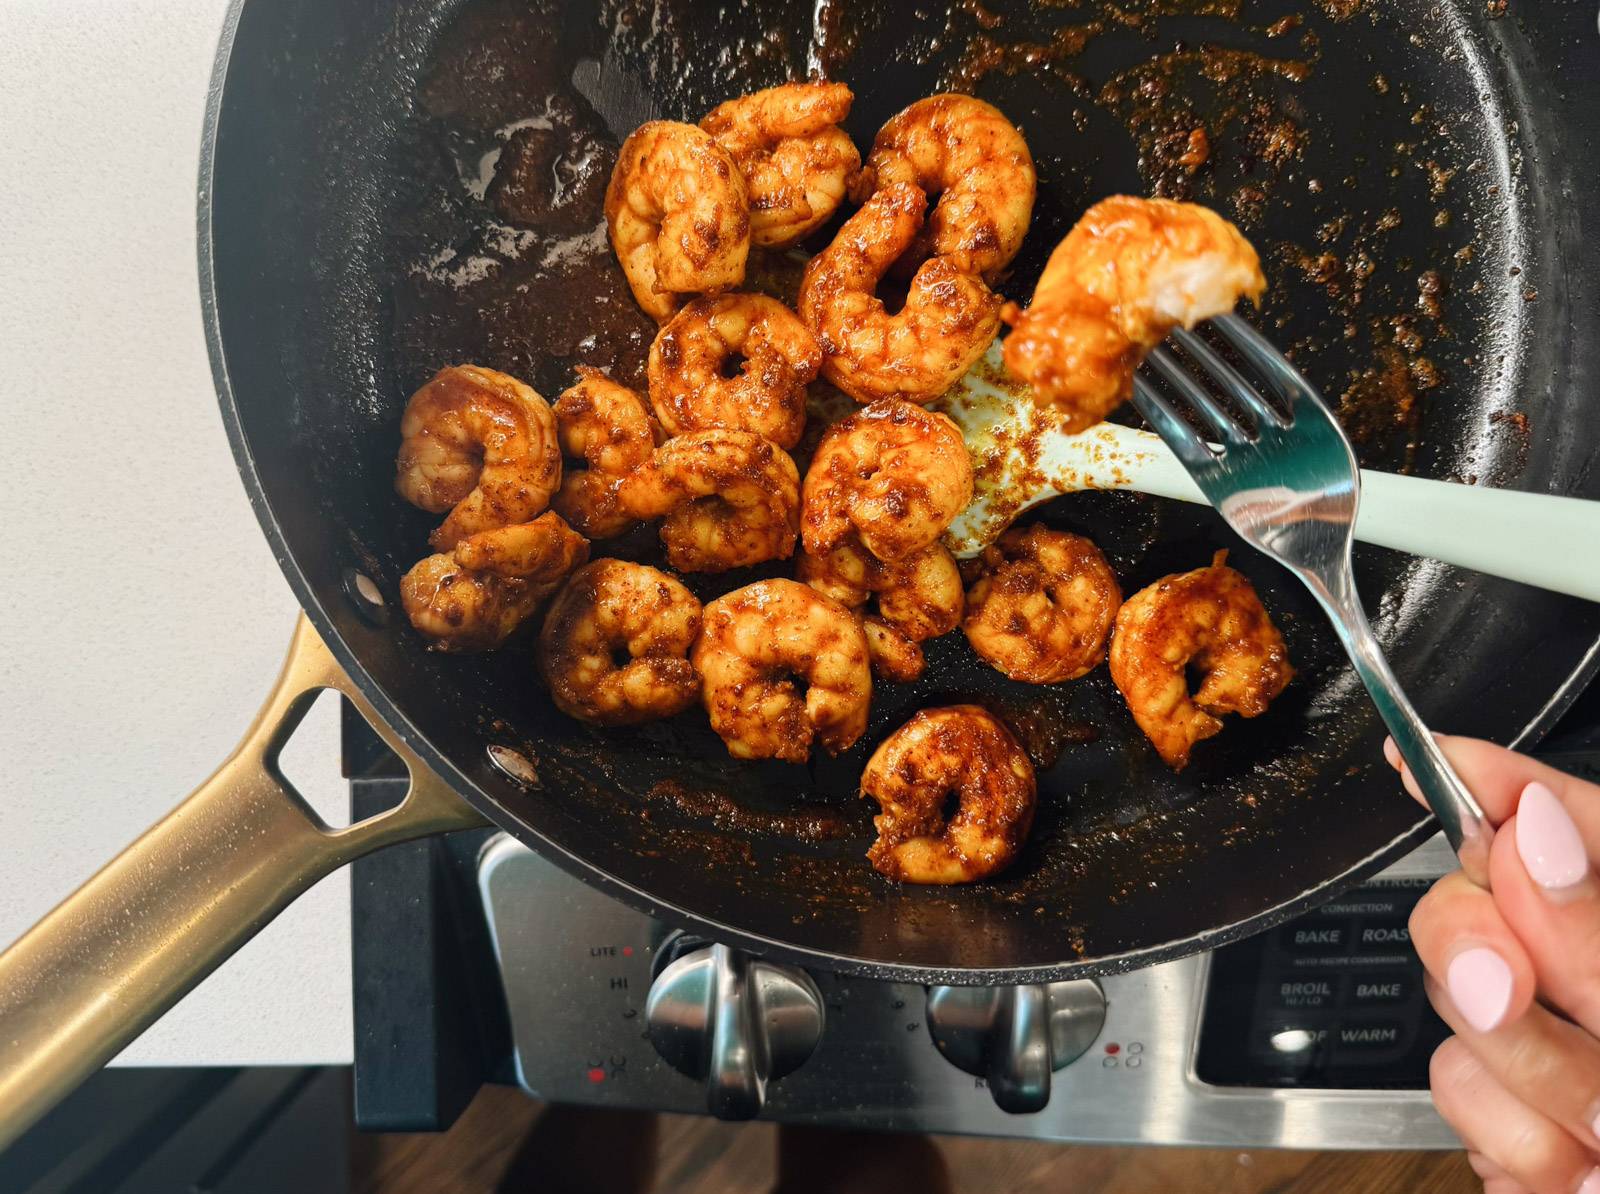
(1287, 483)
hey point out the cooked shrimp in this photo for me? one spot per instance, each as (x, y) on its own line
(480, 444)
(611, 607)
(606, 425)
(472, 597)
(918, 597)
(1042, 607)
(1209, 620)
(1129, 272)
(795, 158)
(965, 751)
(974, 159)
(752, 641)
(730, 499)
(776, 357)
(894, 655)
(947, 322)
(679, 215)
(893, 474)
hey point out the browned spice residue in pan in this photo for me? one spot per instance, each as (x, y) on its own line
(525, 281)
(1515, 424)
(818, 823)
(985, 55)
(834, 40)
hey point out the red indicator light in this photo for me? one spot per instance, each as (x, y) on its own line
(597, 1074)
(1113, 1048)
(627, 951)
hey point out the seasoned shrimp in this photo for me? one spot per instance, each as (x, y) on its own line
(961, 750)
(795, 158)
(947, 322)
(608, 608)
(480, 444)
(918, 597)
(893, 474)
(752, 641)
(679, 215)
(1042, 608)
(895, 656)
(974, 159)
(472, 597)
(1209, 620)
(730, 499)
(1129, 272)
(606, 425)
(776, 357)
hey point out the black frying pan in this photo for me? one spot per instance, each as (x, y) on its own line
(1417, 173)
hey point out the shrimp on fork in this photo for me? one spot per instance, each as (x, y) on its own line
(1129, 272)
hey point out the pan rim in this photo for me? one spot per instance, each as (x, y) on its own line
(1585, 670)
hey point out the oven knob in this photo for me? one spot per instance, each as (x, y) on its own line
(1015, 1037)
(735, 1021)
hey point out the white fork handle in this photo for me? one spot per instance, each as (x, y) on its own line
(1536, 538)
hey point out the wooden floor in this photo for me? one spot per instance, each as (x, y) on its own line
(506, 1142)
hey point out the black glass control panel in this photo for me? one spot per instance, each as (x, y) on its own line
(1333, 1000)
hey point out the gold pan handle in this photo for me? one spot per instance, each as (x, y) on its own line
(127, 945)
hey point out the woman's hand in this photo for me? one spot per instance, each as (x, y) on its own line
(1515, 972)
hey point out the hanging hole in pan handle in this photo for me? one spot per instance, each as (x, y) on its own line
(127, 945)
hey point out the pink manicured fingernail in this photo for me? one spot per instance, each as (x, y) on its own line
(1480, 986)
(1591, 1184)
(1392, 753)
(1548, 840)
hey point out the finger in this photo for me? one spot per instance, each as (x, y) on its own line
(1528, 1146)
(1543, 870)
(1547, 893)
(1467, 946)
(1495, 1180)
(1497, 776)
(1548, 1063)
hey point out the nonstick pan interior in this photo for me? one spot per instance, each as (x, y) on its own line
(396, 187)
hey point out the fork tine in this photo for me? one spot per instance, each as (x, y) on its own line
(1289, 382)
(1237, 386)
(1183, 439)
(1220, 422)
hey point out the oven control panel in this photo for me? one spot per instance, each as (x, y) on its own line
(1333, 1000)
(1195, 1051)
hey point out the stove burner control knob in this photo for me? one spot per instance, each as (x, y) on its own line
(735, 1021)
(1016, 1037)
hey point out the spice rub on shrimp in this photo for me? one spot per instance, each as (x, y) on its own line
(962, 750)
(1129, 272)
(472, 597)
(1043, 605)
(679, 215)
(730, 498)
(1209, 620)
(947, 322)
(612, 607)
(754, 642)
(918, 597)
(968, 154)
(795, 158)
(776, 354)
(892, 474)
(606, 425)
(480, 444)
